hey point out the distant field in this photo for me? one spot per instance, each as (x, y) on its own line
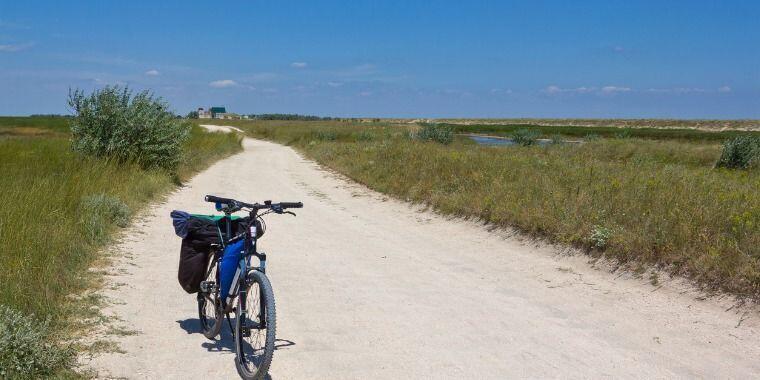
(18, 125)
(602, 131)
(708, 125)
(643, 202)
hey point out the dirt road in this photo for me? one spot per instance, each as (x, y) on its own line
(372, 288)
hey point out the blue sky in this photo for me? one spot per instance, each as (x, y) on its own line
(681, 59)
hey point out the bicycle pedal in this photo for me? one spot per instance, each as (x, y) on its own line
(207, 286)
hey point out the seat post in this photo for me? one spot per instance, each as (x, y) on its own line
(228, 216)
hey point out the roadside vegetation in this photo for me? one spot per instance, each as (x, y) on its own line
(60, 206)
(579, 132)
(693, 124)
(641, 202)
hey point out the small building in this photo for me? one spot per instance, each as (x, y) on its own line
(217, 112)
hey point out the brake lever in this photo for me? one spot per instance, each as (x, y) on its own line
(289, 212)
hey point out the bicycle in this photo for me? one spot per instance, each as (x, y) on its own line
(250, 297)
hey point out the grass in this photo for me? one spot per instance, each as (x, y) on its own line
(38, 126)
(603, 131)
(50, 197)
(643, 201)
(706, 124)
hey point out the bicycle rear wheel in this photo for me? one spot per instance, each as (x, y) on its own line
(209, 305)
(255, 327)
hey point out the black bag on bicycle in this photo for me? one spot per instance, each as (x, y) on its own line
(198, 232)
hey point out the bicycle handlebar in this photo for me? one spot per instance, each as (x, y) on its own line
(215, 199)
(291, 204)
(254, 206)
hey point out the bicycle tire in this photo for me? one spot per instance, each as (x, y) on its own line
(251, 362)
(210, 318)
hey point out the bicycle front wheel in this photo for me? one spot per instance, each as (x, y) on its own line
(255, 327)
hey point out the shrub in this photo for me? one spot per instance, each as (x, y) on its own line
(525, 137)
(592, 137)
(101, 211)
(364, 136)
(438, 133)
(557, 139)
(111, 122)
(740, 152)
(326, 136)
(600, 236)
(27, 349)
(624, 134)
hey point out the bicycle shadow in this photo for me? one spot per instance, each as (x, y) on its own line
(225, 342)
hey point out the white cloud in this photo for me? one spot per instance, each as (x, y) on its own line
(678, 90)
(334, 84)
(152, 73)
(618, 49)
(606, 90)
(688, 90)
(11, 48)
(299, 65)
(554, 90)
(724, 89)
(365, 93)
(614, 89)
(223, 83)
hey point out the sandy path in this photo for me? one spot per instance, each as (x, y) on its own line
(368, 287)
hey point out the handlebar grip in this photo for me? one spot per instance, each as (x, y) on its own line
(215, 199)
(291, 204)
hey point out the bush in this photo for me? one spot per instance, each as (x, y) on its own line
(557, 139)
(740, 152)
(364, 136)
(101, 211)
(525, 137)
(26, 348)
(624, 134)
(592, 137)
(438, 133)
(600, 236)
(326, 136)
(111, 122)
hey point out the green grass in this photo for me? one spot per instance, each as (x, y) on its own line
(38, 124)
(50, 195)
(603, 131)
(703, 124)
(638, 201)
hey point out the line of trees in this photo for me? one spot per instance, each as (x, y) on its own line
(287, 116)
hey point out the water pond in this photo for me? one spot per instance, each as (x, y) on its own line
(506, 141)
(501, 141)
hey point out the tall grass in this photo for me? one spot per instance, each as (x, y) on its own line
(603, 131)
(59, 208)
(634, 200)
